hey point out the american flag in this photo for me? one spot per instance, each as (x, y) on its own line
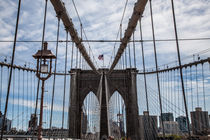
(101, 57)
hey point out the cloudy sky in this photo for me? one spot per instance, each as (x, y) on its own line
(101, 20)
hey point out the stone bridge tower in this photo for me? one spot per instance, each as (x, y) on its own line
(84, 81)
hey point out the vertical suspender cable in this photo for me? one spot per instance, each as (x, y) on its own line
(134, 51)
(171, 90)
(23, 100)
(13, 96)
(27, 96)
(125, 57)
(77, 57)
(143, 61)
(167, 95)
(64, 91)
(191, 87)
(167, 99)
(123, 63)
(82, 63)
(174, 90)
(80, 56)
(197, 84)
(31, 93)
(80, 60)
(178, 92)
(37, 97)
(81, 30)
(164, 83)
(72, 55)
(55, 70)
(12, 63)
(129, 51)
(204, 96)
(121, 32)
(43, 36)
(186, 84)
(18, 122)
(145, 78)
(157, 74)
(1, 87)
(34, 90)
(180, 66)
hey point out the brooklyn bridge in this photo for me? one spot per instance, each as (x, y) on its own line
(98, 70)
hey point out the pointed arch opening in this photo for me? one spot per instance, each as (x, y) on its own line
(117, 116)
(90, 117)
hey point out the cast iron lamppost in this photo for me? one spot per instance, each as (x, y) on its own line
(44, 70)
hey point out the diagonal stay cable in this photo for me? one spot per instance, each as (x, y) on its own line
(119, 30)
(82, 29)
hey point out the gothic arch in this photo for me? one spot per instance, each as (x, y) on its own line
(123, 81)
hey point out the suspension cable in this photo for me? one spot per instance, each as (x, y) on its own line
(180, 65)
(126, 58)
(191, 87)
(196, 70)
(43, 38)
(167, 91)
(186, 85)
(64, 91)
(72, 55)
(32, 93)
(18, 110)
(120, 28)
(129, 53)
(145, 79)
(157, 74)
(204, 96)
(13, 96)
(174, 71)
(143, 62)
(134, 50)
(10, 76)
(54, 76)
(178, 89)
(1, 87)
(23, 99)
(102, 41)
(76, 58)
(172, 87)
(27, 111)
(82, 29)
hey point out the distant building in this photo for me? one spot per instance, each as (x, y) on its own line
(209, 122)
(32, 124)
(167, 117)
(171, 127)
(121, 124)
(55, 132)
(182, 123)
(200, 121)
(115, 130)
(7, 125)
(148, 126)
(91, 136)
